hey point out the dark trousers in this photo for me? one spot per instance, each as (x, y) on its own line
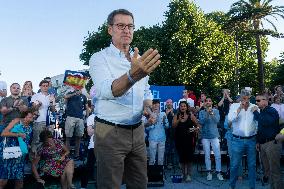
(88, 168)
(270, 153)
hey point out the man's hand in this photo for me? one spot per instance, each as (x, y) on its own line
(151, 120)
(253, 109)
(144, 65)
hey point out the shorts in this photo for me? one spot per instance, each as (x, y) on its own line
(73, 123)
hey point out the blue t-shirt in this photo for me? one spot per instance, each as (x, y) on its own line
(76, 106)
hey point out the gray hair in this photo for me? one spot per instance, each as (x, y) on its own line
(245, 92)
(118, 11)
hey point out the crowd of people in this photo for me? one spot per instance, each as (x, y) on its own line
(26, 121)
(124, 111)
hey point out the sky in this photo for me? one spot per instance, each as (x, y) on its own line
(40, 38)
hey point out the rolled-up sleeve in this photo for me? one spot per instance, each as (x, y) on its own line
(233, 114)
(101, 77)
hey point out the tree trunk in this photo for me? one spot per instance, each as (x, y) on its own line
(260, 64)
(237, 74)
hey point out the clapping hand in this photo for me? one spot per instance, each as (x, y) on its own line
(144, 65)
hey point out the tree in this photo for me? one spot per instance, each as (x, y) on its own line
(195, 50)
(94, 42)
(252, 13)
(245, 56)
(278, 76)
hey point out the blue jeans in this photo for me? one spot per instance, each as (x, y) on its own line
(240, 147)
(229, 144)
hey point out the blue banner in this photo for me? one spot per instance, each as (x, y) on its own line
(163, 93)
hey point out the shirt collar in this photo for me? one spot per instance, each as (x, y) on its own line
(119, 53)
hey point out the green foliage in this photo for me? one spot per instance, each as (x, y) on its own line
(278, 72)
(196, 50)
(94, 42)
(248, 16)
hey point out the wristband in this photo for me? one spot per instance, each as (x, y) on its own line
(131, 80)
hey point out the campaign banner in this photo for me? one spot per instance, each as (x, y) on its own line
(164, 93)
(75, 79)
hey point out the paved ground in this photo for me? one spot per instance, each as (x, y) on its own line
(198, 179)
(198, 182)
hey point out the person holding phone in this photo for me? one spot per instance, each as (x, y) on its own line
(209, 118)
(185, 124)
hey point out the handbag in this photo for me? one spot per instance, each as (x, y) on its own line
(11, 152)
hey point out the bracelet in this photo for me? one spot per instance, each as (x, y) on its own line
(131, 80)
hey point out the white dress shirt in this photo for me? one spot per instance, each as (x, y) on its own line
(45, 102)
(243, 124)
(106, 66)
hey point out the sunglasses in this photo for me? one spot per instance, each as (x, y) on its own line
(258, 100)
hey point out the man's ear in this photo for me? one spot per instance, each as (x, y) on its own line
(109, 30)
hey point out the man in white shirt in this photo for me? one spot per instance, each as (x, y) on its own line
(121, 83)
(41, 102)
(244, 129)
(189, 101)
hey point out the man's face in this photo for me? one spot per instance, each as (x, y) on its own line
(203, 97)
(15, 89)
(121, 30)
(44, 87)
(261, 101)
(245, 100)
(185, 93)
(169, 104)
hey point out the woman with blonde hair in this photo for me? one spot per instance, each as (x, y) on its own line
(27, 90)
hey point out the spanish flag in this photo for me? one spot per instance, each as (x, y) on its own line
(75, 79)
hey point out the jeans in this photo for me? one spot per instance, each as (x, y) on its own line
(153, 147)
(216, 149)
(229, 144)
(240, 147)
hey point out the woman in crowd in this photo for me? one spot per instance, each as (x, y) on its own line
(53, 159)
(18, 132)
(209, 118)
(27, 90)
(185, 124)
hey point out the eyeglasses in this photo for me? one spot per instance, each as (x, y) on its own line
(131, 27)
(258, 100)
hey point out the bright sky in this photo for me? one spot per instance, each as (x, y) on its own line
(42, 38)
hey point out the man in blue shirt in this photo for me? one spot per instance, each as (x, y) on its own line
(76, 104)
(121, 83)
(269, 148)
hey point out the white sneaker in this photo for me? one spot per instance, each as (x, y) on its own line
(209, 176)
(220, 176)
(188, 178)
